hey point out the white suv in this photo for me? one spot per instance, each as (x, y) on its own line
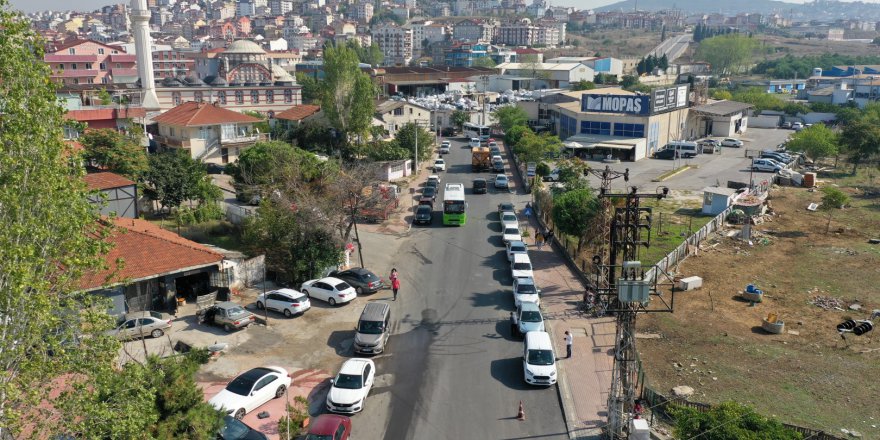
(444, 147)
(286, 301)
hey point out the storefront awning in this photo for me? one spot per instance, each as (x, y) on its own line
(614, 146)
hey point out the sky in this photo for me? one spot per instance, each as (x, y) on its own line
(89, 5)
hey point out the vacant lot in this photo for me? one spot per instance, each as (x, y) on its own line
(618, 43)
(808, 375)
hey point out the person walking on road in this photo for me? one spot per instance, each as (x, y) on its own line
(513, 324)
(395, 283)
(539, 240)
(568, 342)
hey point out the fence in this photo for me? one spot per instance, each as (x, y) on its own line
(236, 214)
(685, 248)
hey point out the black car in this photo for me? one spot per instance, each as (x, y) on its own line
(424, 215)
(480, 186)
(361, 279)
(432, 184)
(430, 191)
(236, 430)
(669, 153)
(502, 207)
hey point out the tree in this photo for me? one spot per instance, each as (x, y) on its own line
(573, 211)
(583, 85)
(459, 118)
(509, 116)
(174, 177)
(534, 147)
(484, 61)
(729, 420)
(263, 125)
(860, 141)
(663, 33)
(384, 150)
(721, 94)
(347, 93)
(311, 89)
(817, 142)
(180, 403)
(51, 236)
(728, 54)
(571, 173)
(371, 55)
(513, 136)
(111, 150)
(629, 81)
(832, 199)
(406, 140)
(663, 62)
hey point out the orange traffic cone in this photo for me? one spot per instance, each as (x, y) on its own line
(522, 412)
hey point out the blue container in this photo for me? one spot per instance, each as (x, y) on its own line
(750, 288)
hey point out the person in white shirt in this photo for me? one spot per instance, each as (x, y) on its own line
(568, 342)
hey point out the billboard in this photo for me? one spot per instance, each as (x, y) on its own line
(670, 98)
(629, 104)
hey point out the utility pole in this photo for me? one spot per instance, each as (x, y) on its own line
(603, 223)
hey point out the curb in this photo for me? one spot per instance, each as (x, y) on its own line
(663, 178)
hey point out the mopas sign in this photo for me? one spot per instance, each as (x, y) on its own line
(631, 104)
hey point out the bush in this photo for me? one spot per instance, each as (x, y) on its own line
(542, 169)
(297, 413)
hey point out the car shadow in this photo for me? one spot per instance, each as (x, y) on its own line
(504, 327)
(509, 372)
(494, 226)
(341, 341)
(502, 276)
(495, 240)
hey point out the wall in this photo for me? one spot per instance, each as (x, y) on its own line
(765, 121)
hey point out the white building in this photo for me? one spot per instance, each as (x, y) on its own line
(515, 76)
(280, 7)
(246, 8)
(396, 43)
(363, 12)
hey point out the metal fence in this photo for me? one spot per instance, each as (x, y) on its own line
(686, 247)
(236, 214)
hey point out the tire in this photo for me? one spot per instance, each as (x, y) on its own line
(157, 333)
(227, 327)
(359, 291)
(287, 313)
(280, 391)
(332, 301)
(260, 305)
(239, 414)
(306, 293)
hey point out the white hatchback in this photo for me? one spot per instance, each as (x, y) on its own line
(332, 290)
(508, 219)
(286, 301)
(439, 165)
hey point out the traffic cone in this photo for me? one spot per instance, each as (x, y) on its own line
(522, 412)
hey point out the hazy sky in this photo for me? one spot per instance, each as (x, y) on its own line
(89, 5)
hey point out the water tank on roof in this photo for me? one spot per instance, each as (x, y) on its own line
(817, 71)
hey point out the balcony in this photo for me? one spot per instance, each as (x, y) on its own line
(77, 73)
(172, 142)
(244, 139)
(58, 58)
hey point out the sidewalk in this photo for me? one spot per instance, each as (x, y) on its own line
(585, 379)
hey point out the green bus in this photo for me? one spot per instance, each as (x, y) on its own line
(454, 206)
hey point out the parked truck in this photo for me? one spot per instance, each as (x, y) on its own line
(480, 159)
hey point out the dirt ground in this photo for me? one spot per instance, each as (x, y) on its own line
(803, 46)
(806, 376)
(618, 43)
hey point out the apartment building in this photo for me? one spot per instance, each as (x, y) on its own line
(396, 43)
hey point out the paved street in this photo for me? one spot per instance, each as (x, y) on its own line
(673, 47)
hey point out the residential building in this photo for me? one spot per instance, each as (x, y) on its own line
(396, 43)
(515, 76)
(396, 114)
(90, 62)
(113, 194)
(473, 30)
(280, 7)
(362, 12)
(246, 8)
(517, 34)
(294, 116)
(464, 54)
(209, 132)
(172, 63)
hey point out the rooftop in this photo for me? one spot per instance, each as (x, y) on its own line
(105, 180)
(723, 108)
(195, 114)
(298, 112)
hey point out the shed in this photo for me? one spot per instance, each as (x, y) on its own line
(717, 199)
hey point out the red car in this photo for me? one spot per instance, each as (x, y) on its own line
(329, 427)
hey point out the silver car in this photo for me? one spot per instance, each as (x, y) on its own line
(142, 324)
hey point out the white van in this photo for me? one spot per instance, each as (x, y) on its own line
(539, 361)
(685, 149)
(474, 142)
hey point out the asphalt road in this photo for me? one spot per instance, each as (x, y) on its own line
(452, 370)
(672, 47)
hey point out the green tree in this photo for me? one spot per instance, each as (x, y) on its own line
(730, 420)
(174, 177)
(311, 89)
(459, 118)
(509, 116)
(371, 55)
(758, 98)
(347, 93)
(860, 141)
(534, 147)
(817, 142)
(183, 412)
(629, 81)
(104, 97)
(721, 94)
(263, 125)
(111, 150)
(571, 173)
(728, 54)
(484, 61)
(583, 85)
(832, 199)
(574, 211)
(406, 140)
(513, 136)
(388, 150)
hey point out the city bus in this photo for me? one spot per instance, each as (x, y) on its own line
(454, 206)
(476, 131)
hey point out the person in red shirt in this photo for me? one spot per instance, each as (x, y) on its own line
(395, 283)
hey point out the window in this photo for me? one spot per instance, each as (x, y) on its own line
(255, 96)
(102, 66)
(76, 80)
(71, 51)
(100, 51)
(594, 127)
(104, 80)
(88, 66)
(115, 52)
(221, 97)
(629, 130)
(239, 97)
(73, 66)
(91, 80)
(175, 98)
(288, 95)
(410, 111)
(197, 96)
(398, 112)
(270, 96)
(61, 66)
(118, 66)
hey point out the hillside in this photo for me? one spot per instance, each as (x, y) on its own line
(818, 10)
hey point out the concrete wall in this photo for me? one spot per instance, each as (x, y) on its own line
(765, 121)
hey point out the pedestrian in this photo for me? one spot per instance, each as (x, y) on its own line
(513, 324)
(568, 342)
(548, 236)
(395, 282)
(539, 240)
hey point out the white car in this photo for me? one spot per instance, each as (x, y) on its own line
(349, 390)
(553, 176)
(539, 362)
(797, 126)
(444, 147)
(529, 318)
(511, 233)
(286, 301)
(492, 144)
(508, 219)
(250, 390)
(521, 266)
(439, 165)
(501, 182)
(434, 178)
(731, 142)
(474, 142)
(768, 165)
(332, 290)
(525, 290)
(496, 158)
(516, 247)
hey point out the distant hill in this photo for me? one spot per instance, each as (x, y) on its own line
(821, 9)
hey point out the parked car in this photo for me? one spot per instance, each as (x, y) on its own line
(553, 176)
(332, 290)
(667, 153)
(286, 301)
(508, 219)
(521, 266)
(731, 142)
(511, 233)
(233, 429)
(329, 427)
(424, 215)
(430, 192)
(480, 186)
(516, 247)
(361, 279)
(786, 124)
(507, 206)
(445, 146)
(797, 126)
(765, 165)
(251, 389)
(529, 318)
(439, 165)
(214, 168)
(501, 182)
(539, 361)
(229, 315)
(435, 179)
(140, 325)
(780, 157)
(432, 183)
(349, 389)
(525, 290)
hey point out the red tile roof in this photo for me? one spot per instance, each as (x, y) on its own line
(195, 114)
(105, 180)
(147, 251)
(298, 112)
